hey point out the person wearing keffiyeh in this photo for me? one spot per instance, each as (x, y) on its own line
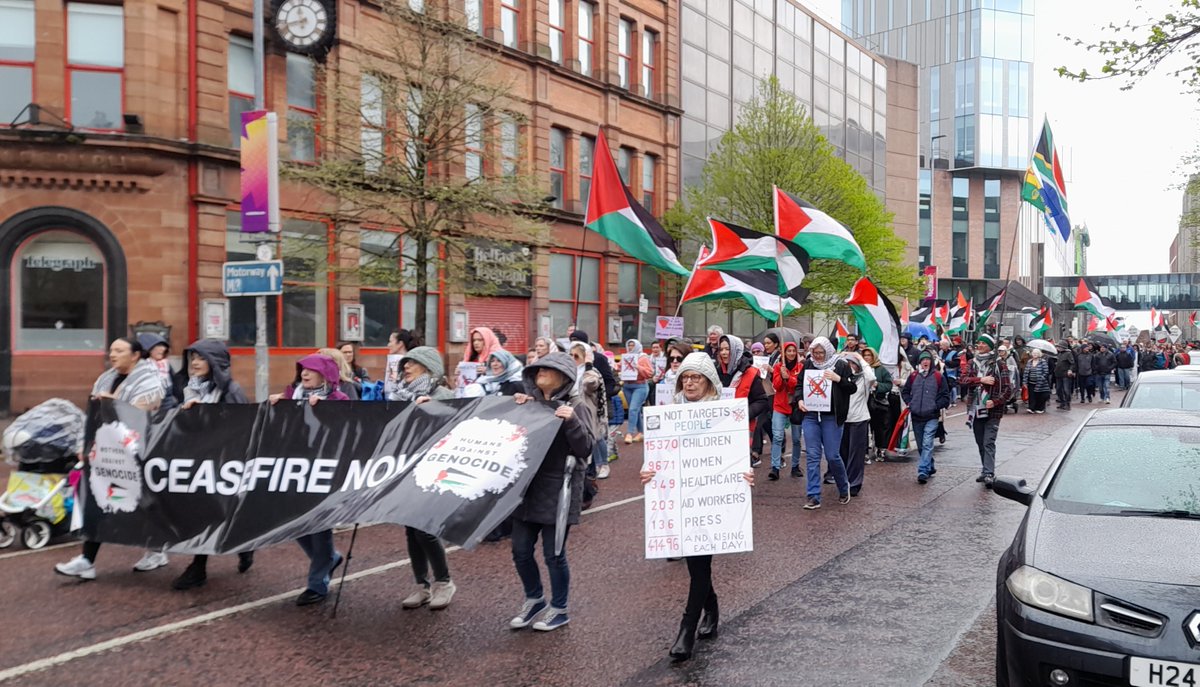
(990, 383)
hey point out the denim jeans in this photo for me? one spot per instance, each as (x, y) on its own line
(617, 416)
(524, 539)
(1065, 386)
(925, 429)
(426, 551)
(986, 430)
(635, 394)
(779, 424)
(1102, 382)
(600, 452)
(321, 556)
(823, 435)
(1123, 377)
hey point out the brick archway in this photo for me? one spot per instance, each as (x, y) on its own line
(23, 225)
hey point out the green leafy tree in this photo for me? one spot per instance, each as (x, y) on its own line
(420, 139)
(776, 142)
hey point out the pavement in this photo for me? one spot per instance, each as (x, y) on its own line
(895, 588)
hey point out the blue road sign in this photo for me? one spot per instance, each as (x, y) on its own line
(252, 278)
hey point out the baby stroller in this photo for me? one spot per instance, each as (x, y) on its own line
(45, 444)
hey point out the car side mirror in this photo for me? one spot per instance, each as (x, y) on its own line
(1014, 488)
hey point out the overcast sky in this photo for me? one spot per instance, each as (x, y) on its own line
(1123, 149)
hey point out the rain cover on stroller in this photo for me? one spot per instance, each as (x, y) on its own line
(46, 439)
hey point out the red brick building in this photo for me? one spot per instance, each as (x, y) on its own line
(119, 184)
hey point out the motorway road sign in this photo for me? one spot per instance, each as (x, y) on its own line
(252, 278)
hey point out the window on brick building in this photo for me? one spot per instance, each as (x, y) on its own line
(239, 79)
(374, 123)
(17, 39)
(587, 154)
(624, 163)
(473, 14)
(649, 167)
(586, 27)
(473, 161)
(58, 294)
(624, 52)
(510, 22)
(575, 293)
(558, 167)
(557, 30)
(412, 117)
(298, 317)
(637, 281)
(302, 108)
(95, 65)
(388, 287)
(510, 148)
(649, 48)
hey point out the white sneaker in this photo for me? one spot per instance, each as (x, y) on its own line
(78, 566)
(441, 594)
(602, 472)
(151, 560)
(417, 599)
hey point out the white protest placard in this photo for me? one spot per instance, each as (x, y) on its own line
(763, 363)
(464, 374)
(392, 374)
(818, 391)
(663, 393)
(727, 392)
(698, 502)
(629, 368)
(668, 327)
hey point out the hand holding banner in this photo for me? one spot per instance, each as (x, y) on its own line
(818, 391)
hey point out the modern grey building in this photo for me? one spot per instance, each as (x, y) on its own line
(865, 104)
(976, 127)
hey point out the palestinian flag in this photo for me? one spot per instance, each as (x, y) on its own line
(989, 307)
(877, 320)
(1093, 323)
(905, 317)
(1042, 322)
(739, 248)
(1113, 323)
(941, 314)
(960, 317)
(1086, 299)
(840, 332)
(758, 288)
(816, 232)
(922, 316)
(613, 213)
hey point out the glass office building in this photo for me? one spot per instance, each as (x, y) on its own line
(1178, 291)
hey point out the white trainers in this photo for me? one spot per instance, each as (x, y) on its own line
(602, 472)
(78, 566)
(151, 560)
(440, 595)
(417, 599)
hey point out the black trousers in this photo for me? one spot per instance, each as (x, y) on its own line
(1038, 399)
(762, 430)
(881, 429)
(426, 551)
(701, 596)
(854, 451)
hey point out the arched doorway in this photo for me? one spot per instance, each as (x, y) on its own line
(63, 285)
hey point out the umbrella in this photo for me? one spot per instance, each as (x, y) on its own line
(1043, 346)
(919, 330)
(564, 507)
(784, 334)
(1102, 339)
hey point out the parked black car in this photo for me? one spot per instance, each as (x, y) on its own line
(1101, 585)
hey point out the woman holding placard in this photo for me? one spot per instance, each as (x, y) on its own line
(823, 391)
(697, 382)
(736, 371)
(636, 370)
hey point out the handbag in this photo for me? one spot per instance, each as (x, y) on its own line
(877, 403)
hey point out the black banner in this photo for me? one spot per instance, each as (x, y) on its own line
(229, 478)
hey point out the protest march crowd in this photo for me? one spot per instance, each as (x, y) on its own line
(840, 402)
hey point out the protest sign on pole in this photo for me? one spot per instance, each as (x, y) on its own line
(817, 391)
(666, 327)
(698, 502)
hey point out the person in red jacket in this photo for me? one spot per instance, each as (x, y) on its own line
(735, 370)
(784, 376)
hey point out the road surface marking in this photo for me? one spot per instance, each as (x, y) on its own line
(26, 552)
(180, 625)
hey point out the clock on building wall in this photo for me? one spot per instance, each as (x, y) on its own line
(306, 26)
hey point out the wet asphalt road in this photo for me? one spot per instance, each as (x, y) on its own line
(894, 589)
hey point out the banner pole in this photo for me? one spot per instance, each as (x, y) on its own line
(686, 284)
(345, 568)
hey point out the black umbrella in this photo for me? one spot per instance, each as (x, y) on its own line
(784, 334)
(1102, 339)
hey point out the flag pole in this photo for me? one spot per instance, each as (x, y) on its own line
(1012, 250)
(688, 283)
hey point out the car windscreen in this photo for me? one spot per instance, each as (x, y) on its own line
(1114, 468)
(1166, 396)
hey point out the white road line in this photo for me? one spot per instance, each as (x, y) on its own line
(180, 625)
(26, 552)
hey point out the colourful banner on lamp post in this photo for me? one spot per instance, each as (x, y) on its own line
(931, 280)
(260, 172)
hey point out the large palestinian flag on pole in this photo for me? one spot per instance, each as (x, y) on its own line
(960, 317)
(758, 288)
(739, 248)
(1041, 322)
(613, 213)
(877, 320)
(1086, 299)
(814, 231)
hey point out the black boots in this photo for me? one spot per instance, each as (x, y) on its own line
(245, 560)
(681, 650)
(195, 575)
(708, 623)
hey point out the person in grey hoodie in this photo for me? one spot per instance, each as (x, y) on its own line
(209, 381)
(697, 382)
(551, 379)
(422, 380)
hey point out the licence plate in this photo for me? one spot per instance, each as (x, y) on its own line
(1146, 672)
